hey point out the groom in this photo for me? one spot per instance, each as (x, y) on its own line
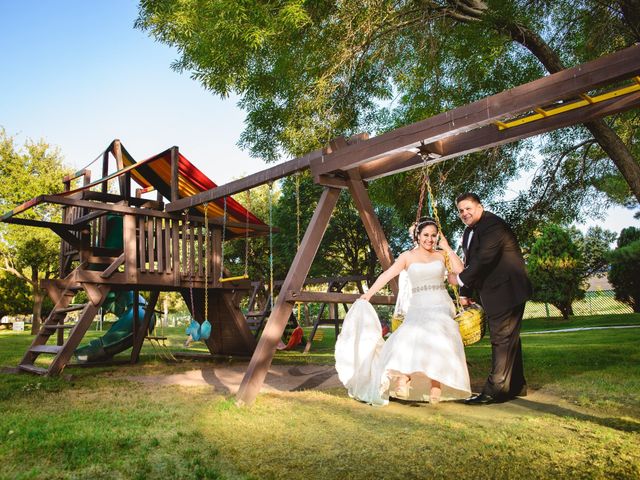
(495, 269)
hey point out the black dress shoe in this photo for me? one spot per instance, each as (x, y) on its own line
(522, 392)
(480, 399)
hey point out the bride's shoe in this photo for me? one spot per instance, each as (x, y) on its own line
(402, 390)
(434, 395)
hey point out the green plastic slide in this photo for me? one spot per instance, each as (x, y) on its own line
(120, 336)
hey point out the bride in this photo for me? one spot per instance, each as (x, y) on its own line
(423, 360)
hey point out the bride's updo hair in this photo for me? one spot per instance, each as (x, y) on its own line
(417, 227)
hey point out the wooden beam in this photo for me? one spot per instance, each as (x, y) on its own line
(371, 224)
(246, 183)
(490, 136)
(119, 208)
(261, 359)
(113, 267)
(563, 85)
(330, 181)
(333, 297)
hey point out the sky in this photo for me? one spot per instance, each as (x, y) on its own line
(76, 74)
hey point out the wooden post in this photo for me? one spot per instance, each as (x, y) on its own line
(130, 251)
(105, 170)
(125, 180)
(136, 317)
(138, 338)
(371, 224)
(261, 359)
(174, 174)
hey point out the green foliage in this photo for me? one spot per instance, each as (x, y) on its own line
(15, 295)
(594, 246)
(556, 269)
(307, 72)
(625, 265)
(345, 249)
(28, 171)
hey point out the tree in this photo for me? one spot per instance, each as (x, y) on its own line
(625, 264)
(29, 253)
(15, 295)
(556, 269)
(309, 71)
(594, 247)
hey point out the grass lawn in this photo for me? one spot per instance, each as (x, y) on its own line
(582, 421)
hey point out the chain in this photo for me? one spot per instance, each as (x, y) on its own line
(432, 200)
(271, 245)
(424, 180)
(246, 236)
(298, 207)
(189, 255)
(224, 231)
(206, 261)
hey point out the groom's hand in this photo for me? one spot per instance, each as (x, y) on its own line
(465, 302)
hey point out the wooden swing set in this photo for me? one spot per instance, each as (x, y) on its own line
(156, 235)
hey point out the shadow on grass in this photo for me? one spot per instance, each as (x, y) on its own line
(563, 412)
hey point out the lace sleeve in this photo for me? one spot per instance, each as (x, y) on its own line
(404, 295)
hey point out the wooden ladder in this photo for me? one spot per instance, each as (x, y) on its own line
(62, 292)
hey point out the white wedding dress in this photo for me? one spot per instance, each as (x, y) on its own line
(427, 346)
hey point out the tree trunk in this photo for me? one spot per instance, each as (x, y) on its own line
(38, 298)
(565, 310)
(605, 136)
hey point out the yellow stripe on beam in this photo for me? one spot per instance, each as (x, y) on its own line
(570, 106)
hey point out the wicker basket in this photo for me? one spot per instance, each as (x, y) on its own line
(472, 324)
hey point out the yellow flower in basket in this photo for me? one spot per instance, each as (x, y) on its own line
(396, 321)
(472, 324)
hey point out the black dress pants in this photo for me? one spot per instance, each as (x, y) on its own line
(506, 379)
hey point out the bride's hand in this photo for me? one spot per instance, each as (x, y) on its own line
(443, 243)
(364, 297)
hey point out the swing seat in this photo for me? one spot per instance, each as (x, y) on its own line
(233, 279)
(294, 340)
(205, 330)
(472, 324)
(194, 330)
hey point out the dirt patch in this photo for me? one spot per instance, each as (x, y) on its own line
(226, 379)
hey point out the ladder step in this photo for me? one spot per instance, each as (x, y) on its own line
(32, 369)
(53, 349)
(57, 326)
(72, 308)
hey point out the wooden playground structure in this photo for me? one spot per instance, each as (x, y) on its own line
(163, 242)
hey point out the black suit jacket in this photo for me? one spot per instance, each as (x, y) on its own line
(494, 266)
